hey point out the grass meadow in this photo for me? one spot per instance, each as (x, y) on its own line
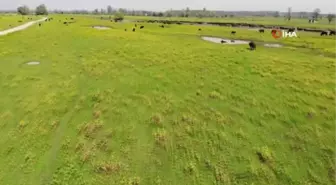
(162, 106)
(280, 21)
(10, 20)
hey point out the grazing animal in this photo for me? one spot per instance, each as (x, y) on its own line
(252, 45)
(324, 33)
(162, 26)
(233, 32)
(232, 41)
(223, 41)
(135, 25)
(291, 30)
(125, 29)
(273, 31)
(311, 21)
(332, 33)
(133, 30)
(46, 20)
(40, 24)
(199, 29)
(72, 18)
(261, 31)
(141, 27)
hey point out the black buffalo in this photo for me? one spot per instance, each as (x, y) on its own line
(233, 32)
(223, 41)
(133, 30)
(162, 26)
(332, 33)
(324, 33)
(291, 30)
(252, 45)
(141, 27)
(262, 31)
(199, 29)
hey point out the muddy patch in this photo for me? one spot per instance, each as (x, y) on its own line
(224, 40)
(101, 27)
(33, 63)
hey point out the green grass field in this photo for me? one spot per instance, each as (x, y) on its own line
(10, 20)
(162, 106)
(267, 21)
(295, 22)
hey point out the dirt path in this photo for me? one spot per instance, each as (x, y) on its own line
(21, 27)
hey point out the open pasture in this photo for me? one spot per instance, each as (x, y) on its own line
(162, 106)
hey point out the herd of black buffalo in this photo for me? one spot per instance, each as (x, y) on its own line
(252, 45)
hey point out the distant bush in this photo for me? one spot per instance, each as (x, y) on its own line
(23, 10)
(41, 10)
(118, 16)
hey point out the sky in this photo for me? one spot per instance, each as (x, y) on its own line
(326, 6)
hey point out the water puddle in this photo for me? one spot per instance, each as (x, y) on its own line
(224, 41)
(273, 45)
(101, 27)
(232, 41)
(33, 63)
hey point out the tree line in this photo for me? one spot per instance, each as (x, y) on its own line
(39, 10)
(314, 16)
(187, 12)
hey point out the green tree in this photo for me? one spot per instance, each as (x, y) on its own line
(41, 10)
(330, 17)
(118, 16)
(289, 14)
(187, 12)
(316, 13)
(204, 12)
(109, 9)
(23, 10)
(96, 11)
(169, 13)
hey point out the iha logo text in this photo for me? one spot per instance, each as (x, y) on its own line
(283, 34)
